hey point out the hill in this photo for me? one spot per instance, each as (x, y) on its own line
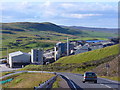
(29, 26)
(47, 26)
(81, 62)
(108, 30)
(91, 55)
(27, 35)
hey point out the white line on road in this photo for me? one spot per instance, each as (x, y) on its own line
(106, 85)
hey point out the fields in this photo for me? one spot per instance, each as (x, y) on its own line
(24, 36)
(27, 80)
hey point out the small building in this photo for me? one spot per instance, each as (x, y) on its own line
(18, 59)
(37, 56)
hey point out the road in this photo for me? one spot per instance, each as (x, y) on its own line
(75, 81)
(3, 68)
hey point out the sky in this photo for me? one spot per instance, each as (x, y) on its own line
(89, 13)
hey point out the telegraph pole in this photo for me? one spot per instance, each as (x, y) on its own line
(7, 56)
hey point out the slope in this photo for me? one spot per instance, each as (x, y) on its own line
(91, 55)
(79, 63)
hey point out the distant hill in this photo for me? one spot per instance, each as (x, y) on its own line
(29, 26)
(108, 30)
(47, 26)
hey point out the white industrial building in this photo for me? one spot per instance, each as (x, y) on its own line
(37, 56)
(17, 59)
(57, 53)
(20, 59)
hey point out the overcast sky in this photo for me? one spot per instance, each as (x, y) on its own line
(90, 14)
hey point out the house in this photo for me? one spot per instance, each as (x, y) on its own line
(19, 59)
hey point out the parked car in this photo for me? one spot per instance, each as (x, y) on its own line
(90, 76)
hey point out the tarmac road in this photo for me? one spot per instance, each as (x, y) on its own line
(75, 82)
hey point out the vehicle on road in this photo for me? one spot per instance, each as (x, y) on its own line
(89, 76)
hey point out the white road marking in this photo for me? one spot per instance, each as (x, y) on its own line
(71, 83)
(106, 85)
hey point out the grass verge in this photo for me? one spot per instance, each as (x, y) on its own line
(112, 78)
(27, 80)
(56, 83)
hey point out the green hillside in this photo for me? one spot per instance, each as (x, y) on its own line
(79, 63)
(27, 35)
(91, 55)
(29, 26)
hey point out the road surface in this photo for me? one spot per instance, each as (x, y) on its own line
(3, 68)
(75, 82)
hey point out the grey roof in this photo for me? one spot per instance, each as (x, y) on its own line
(18, 53)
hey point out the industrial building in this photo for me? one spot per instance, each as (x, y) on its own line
(18, 59)
(37, 56)
(63, 49)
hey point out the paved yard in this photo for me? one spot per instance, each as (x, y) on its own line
(4, 68)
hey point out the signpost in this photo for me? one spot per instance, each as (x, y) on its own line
(107, 67)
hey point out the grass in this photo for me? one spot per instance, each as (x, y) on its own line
(115, 78)
(27, 80)
(90, 56)
(56, 83)
(5, 73)
(34, 39)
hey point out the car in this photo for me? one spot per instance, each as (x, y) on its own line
(89, 76)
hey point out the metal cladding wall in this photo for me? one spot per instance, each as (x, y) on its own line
(22, 58)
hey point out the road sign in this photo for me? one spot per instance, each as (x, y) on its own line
(107, 65)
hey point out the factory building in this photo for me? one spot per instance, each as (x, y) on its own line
(18, 59)
(84, 48)
(62, 49)
(37, 56)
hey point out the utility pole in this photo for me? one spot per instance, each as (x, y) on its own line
(67, 46)
(7, 56)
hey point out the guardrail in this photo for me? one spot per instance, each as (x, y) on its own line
(46, 84)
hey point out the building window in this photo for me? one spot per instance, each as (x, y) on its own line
(37, 59)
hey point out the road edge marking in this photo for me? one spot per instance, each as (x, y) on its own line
(71, 83)
(106, 85)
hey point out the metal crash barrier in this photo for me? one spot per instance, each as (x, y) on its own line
(46, 84)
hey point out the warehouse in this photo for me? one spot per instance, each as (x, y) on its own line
(19, 59)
